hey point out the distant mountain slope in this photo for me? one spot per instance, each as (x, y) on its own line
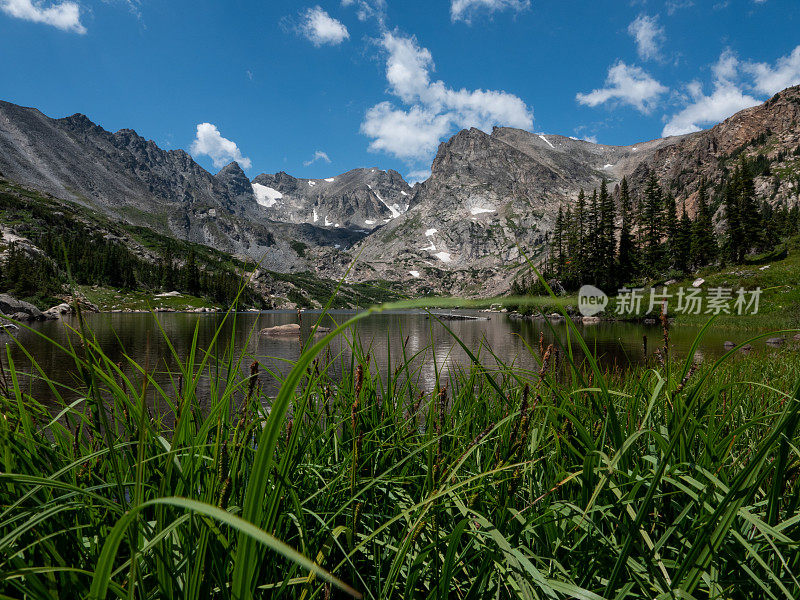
(490, 198)
(132, 179)
(361, 199)
(770, 130)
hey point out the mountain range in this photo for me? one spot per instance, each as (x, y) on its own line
(489, 203)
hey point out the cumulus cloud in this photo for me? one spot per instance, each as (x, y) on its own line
(408, 134)
(649, 36)
(321, 28)
(726, 98)
(629, 85)
(466, 10)
(209, 142)
(318, 155)
(432, 108)
(65, 16)
(771, 80)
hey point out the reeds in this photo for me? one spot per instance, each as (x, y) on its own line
(512, 483)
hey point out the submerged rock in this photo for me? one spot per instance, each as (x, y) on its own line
(279, 330)
(456, 317)
(58, 311)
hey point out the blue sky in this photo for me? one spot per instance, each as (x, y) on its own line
(316, 88)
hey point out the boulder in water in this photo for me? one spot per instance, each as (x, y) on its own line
(19, 310)
(281, 330)
(58, 311)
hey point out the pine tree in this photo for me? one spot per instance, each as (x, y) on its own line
(192, 274)
(570, 238)
(652, 216)
(605, 237)
(734, 240)
(626, 262)
(703, 244)
(683, 241)
(578, 254)
(749, 214)
(671, 229)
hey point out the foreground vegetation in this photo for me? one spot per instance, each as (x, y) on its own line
(673, 480)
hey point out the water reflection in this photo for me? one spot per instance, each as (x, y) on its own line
(387, 337)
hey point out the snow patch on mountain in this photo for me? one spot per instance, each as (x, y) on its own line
(393, 208)
(443, 256)
(265, 195)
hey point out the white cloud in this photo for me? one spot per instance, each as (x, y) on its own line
(649, 36)
(321, 28)
(771, 80)
(726, 99)
(368, 9)
(318, 155)
(409, 135)
(466, 10)
(222, 151)
(65, 16)
(629, 85)
(434, 108)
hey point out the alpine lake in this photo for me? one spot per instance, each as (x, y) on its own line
(436, 343)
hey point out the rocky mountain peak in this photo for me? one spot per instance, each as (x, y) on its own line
(235, 179)
(359, 200)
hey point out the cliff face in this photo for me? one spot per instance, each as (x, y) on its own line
(771, 130)
(490, 201)
(358, 200)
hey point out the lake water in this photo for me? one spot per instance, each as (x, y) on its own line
(139, 336)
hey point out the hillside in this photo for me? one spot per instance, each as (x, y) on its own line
(47, 244)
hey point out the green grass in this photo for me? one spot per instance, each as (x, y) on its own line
(779, 305)
(667, 481)
(108, 299)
